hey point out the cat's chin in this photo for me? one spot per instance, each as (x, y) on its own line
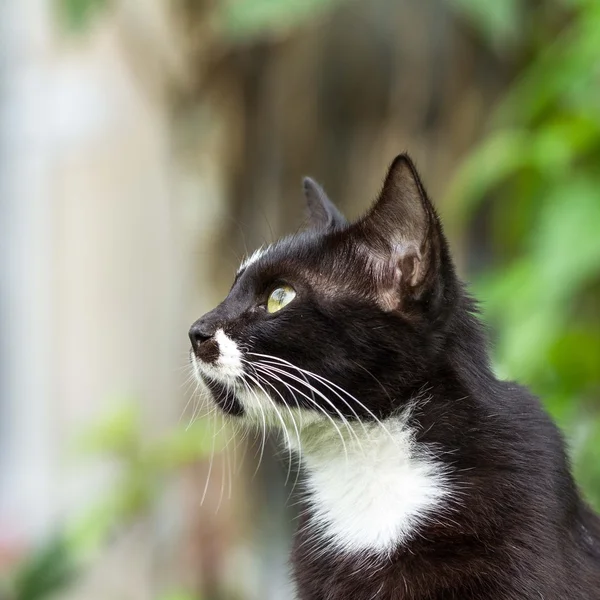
(221, 388)
(224, 396)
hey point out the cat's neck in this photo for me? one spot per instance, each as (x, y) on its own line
(369, 486)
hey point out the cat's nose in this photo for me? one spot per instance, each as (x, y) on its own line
(201, 331)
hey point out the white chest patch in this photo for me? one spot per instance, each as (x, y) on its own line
(375, 497)
(370, 487)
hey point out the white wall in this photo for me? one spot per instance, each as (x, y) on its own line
(90, 268)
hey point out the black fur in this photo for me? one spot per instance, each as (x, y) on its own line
(379, 311)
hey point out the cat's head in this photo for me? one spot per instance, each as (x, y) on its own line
(344, 320)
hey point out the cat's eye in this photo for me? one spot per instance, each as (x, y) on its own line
(281, 296)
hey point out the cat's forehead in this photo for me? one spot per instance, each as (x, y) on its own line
(317, 258)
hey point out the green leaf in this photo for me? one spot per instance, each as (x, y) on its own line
(576, 356)
(48, 571)
(243, 19)
(188, 445)
(585, 451)
(560, 73)
(180, 595)
(500, 22)
(566, 244)
(117, 434)
(130, 498)
(539, 171)
(77, 14)
(499, 157)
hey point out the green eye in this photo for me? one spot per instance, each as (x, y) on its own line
(280, 297)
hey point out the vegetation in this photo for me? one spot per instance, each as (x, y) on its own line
(536, 176)
(143, 467)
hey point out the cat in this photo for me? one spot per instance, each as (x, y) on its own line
(424, 476)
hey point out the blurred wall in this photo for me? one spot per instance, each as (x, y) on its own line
(28, 444)
(92, 272)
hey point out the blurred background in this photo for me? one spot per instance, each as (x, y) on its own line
(146, 146)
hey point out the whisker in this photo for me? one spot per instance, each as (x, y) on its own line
(289, 442)
(327, 384)
(264, 428)
(313, 389)
(326, 381)
(267, 382)
(210, 466)
(316, 404)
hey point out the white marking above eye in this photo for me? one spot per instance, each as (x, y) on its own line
(253, 258)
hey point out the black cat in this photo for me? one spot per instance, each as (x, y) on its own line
(425, 477)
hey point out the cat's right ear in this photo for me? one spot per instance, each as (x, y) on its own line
(322, 213)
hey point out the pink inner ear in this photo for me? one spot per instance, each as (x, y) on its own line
(393, 273)
(389, 290)
(409, 261)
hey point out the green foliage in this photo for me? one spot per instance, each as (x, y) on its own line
(143, 465)
(49, 570)
(500, 22)
(235, 20)
(244, 19)
(539, 172)
(77, 14)
(180, 595)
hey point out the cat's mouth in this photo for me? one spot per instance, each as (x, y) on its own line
(222, 387)
(224, 397)
(218, 357)
(218, 364)
(257, 387)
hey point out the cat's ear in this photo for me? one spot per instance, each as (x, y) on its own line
(322, 213)
(403, 235)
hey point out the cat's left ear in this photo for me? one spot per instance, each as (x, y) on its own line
(322, 213)
(403, 236)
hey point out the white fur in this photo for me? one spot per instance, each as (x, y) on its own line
(374, 497)
(230, 360)
(252, 258)
(228, 368)
(370, 486)
(259, 405)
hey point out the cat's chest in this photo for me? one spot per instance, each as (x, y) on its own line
(372, 496)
